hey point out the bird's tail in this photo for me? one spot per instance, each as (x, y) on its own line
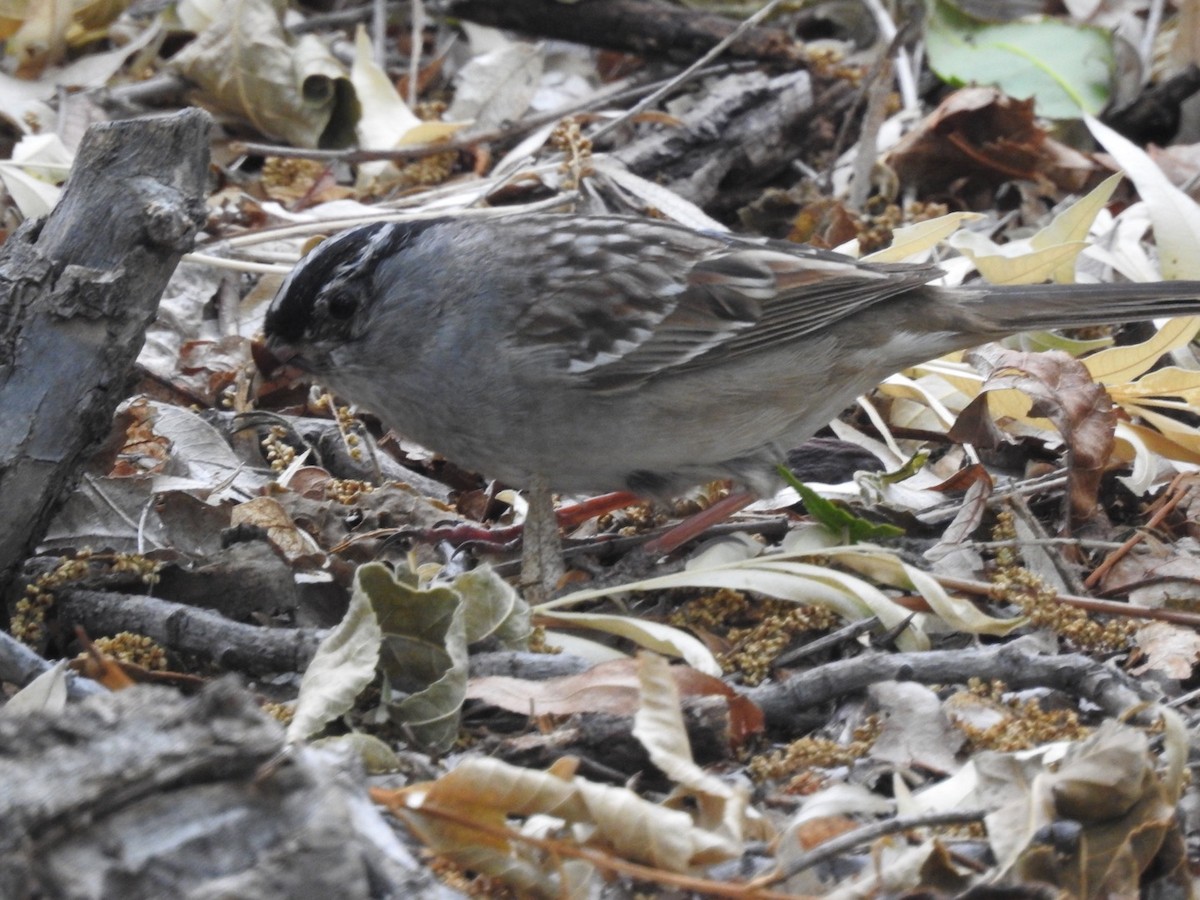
(1014, 308)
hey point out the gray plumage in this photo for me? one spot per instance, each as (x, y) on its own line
(608, 352)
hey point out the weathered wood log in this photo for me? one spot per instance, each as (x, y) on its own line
(647, 27)
(144, 793)
(77, 291)
(746, 129)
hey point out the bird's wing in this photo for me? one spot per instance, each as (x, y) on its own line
(678, 300)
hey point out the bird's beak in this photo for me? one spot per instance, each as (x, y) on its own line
(276, 359)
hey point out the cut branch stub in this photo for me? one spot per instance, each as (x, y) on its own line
(77, 291)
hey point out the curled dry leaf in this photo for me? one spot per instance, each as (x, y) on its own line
(665, 639)
(267, 513)
(343, 665)
(982, 138)
(1107, 787)
(248, 65)
(1062, 390)
(614, 820)
(720, 806)
(426, 631)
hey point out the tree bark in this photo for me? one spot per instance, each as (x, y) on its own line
(144, 794)
(77, 291)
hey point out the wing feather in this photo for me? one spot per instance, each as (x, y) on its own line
(677, 299)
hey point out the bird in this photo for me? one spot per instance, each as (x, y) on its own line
(583, 353)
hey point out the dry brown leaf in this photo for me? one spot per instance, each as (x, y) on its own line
(489, 792)
(247, 64)
(142, 451)
(978, 138)
(296, 545)
(1169, 649)
(1062, 391)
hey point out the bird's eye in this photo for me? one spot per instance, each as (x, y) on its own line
(342, 305)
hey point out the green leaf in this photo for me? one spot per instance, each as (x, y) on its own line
(1068, 69)
(837, 520)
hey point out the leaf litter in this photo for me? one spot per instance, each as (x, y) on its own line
(1075, 443)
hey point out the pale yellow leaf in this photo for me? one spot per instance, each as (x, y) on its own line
(385, 116)
(1032, 267)
(651, 635)
(428, 132)
(1155, 442)
(960, 613)
(1169, 381)
(773, 576)
(920, 237)
(1175, 431)
(1119, 364)
(658, 725)
(41, 39)
(1074, 222)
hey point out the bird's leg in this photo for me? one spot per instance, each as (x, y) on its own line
(541, 551)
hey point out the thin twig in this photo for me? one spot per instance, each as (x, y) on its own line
(906, 82)
(1173, 496)
(1081, 543)
(1145, 50)
(236, 265)
(379, 22)
(868, 833)
(842, 636)
(878, 91)
(318, 21)
(1090, 604)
